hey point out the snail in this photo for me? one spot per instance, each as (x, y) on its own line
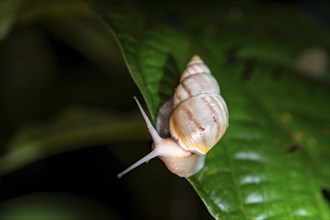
(192, 122)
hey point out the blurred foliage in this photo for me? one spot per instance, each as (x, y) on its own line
(64, 86)
(54, 206)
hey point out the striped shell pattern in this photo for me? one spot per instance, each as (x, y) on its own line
(200, 115)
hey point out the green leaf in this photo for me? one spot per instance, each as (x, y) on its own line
(273, 161)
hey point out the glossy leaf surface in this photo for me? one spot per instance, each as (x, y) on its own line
(273, 162)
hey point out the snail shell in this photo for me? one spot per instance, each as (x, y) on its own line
(200, 115)
(193, 122)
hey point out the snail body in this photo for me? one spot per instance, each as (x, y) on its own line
(192, 122)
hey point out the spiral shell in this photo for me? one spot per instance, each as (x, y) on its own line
(200, 115)
(190, 124)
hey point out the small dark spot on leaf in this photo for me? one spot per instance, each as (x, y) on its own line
(232, 55)
(202, 129)
(277, 73)
(327, 130)
(326, 194)
(248, 70)
(293, 148)
(214, 119)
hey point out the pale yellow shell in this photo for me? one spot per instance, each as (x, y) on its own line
(196, 119)
(200, 115)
